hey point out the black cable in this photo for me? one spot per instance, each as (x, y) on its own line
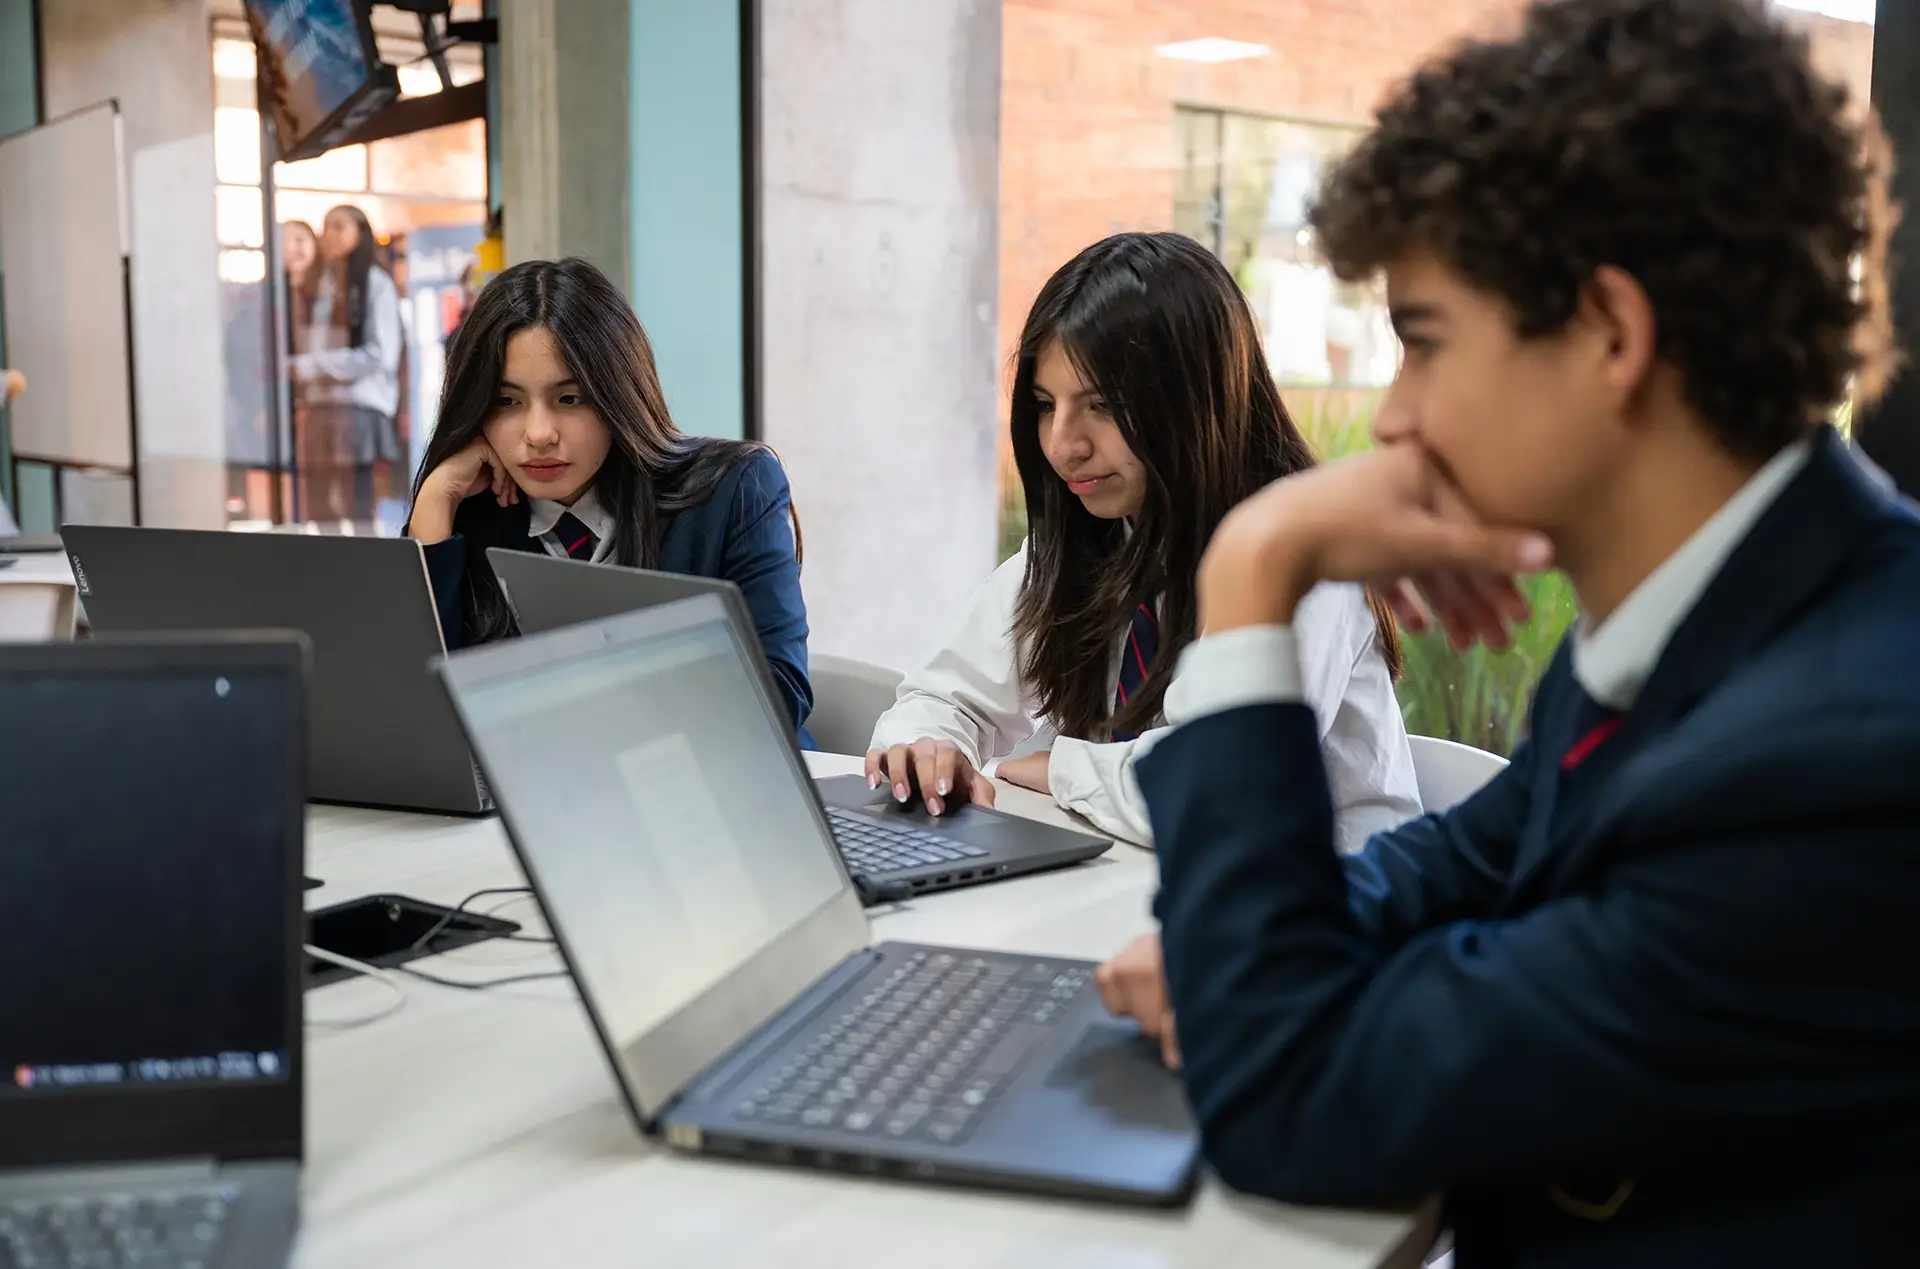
(460, 909)
(480, 986)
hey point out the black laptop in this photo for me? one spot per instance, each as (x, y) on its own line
(383, 734)
(689, 874)
(891, 845)
(151, 831)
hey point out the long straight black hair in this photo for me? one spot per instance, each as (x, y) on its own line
(651, 468)
(361, 261)
(1157, 326)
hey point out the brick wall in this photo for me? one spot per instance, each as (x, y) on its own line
(1087, 110)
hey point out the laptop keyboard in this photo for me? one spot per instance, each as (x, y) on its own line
(877, 849)
(924, 1053)
(174, 1230)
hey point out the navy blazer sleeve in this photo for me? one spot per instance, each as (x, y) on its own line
(1688, 1003)
(759, 556)
(446, 575)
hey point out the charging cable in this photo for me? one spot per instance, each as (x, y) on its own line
(365, 970)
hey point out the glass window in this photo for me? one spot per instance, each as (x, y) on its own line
(1215, 119)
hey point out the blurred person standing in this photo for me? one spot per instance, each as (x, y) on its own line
(348, 367)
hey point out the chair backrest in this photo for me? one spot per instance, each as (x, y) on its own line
(848, 698)
(1448, 772)
(36, 611)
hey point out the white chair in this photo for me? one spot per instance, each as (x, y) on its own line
(1449, 773)
(848, 698)
(36, 611)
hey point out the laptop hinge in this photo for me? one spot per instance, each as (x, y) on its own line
(197, 1170)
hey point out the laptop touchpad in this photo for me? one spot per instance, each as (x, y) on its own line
(1117, 1070)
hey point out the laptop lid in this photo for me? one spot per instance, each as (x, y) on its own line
(548, 593)
(151, 835)
(663, 814)
(382, 731)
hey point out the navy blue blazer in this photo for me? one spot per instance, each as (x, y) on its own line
(1660, 1011)
(743, 533)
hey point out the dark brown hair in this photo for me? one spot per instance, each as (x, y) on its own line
(1687, 142)
(652, 466)
(1157, 326)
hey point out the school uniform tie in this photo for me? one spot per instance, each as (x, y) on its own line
(1143, 642)
(1593, 725)
(574, 537)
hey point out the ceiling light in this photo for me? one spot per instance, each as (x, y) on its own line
(1212, 49)
(1845, 10)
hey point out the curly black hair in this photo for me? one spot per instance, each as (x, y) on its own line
(1688, 142)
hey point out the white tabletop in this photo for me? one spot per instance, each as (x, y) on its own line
(38, 566)
(482, 1128)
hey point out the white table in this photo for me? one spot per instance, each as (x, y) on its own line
(483, 1129)
(52, 608)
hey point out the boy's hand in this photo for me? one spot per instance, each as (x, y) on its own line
(1386, 518)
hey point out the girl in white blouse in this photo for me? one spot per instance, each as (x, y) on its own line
(1143, 411)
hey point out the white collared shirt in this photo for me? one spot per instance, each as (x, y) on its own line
(1614, 659)
(970, 692)
(1260, 664)
(543, 515)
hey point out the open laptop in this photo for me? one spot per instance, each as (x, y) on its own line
(904, 848)
(151, 831)
(383, 734)
(689, 874)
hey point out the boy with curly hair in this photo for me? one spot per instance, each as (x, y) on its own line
(1648, 997)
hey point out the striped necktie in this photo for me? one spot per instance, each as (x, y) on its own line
(574, 537)
(1593, 725)
(1143, 642)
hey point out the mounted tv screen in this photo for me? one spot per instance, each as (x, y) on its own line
(320, 75)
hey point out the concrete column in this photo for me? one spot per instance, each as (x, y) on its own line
(879, 171)
(154, 57)
(563, 131)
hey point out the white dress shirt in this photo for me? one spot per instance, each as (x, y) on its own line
(1612, 661)
(368, 375)
(970, 693)
(543, 515)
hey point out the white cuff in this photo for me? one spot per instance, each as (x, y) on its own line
(1252, 665)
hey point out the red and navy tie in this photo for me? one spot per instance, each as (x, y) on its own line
(576, 538)
(1143, 641)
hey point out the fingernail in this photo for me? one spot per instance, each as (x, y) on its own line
(873, 782)
(934, 804)
(1534, 552)
(899, 792)
(946, 787)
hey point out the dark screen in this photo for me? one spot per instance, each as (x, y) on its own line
(311, 62)
(143, 878)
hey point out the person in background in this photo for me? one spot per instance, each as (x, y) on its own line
(554, 437)
(1143, 411)
(349, 367)
(1647, 998)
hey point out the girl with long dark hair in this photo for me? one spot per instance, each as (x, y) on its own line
(554, 437)
(1143, 412)
(349, 365)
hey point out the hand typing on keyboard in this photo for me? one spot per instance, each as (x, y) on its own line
(1134, 985)
(937, 769)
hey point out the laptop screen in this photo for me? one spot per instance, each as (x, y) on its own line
(143, 879)
(654, 797)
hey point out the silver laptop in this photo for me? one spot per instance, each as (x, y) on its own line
(151, 832)
(383, 734)
(689, 873)
(898, 851)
